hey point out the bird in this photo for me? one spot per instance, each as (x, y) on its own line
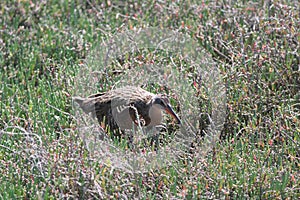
(126, 108)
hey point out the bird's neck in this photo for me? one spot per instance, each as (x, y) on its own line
(155, 115)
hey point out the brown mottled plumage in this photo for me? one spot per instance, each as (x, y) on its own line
(127, 107)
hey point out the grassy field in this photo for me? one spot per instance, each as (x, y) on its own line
(256, 46)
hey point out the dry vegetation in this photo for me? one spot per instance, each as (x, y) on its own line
(43, 45)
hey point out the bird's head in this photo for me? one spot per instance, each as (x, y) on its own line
(163, 103)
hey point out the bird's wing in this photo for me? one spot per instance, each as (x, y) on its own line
(139, 112)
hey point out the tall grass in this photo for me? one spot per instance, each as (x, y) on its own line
(43, 46)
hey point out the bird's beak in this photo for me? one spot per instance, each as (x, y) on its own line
(171, 112)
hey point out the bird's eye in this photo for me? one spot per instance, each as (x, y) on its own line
(157, 101)
(163, 102)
